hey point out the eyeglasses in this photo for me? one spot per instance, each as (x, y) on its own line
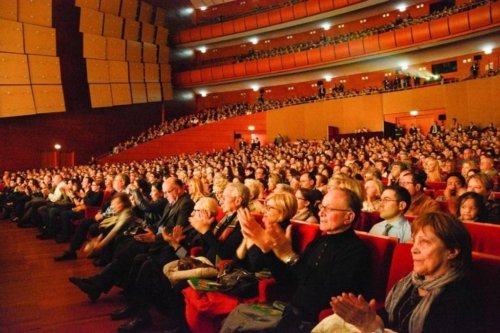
(300, 198)
(331, 209)
(171, 190)
(268, 208)
(385, 200)
(405, 183)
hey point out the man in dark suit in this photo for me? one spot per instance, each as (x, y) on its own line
(151, 245)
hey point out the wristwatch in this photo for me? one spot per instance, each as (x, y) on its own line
(292, 259)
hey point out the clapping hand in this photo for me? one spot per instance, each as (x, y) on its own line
(174, 238)
(356, 311)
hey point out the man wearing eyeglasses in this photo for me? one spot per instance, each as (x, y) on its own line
(394, 203)
(421, 203)
(336, 262)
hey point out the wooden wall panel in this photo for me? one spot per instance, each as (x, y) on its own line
(113, 26)
(134, 51)
(37, 12)
(420, 32)
(92, 4)
(118, 71)
(371, 44)
(145, 12)
(120, 93)
(14, 69)
(403, 36)
(8, 10)
(458, 22)
(148, 33)
(149, 53)
(216, 30)
(16, 101)
(91, 21)
(39, 40)
(480, 17)
(94, 46)
(110, 7)
(163, 54)
(160, 17)
(116, 49)
(151, 72)
(167, 91)
(387, 40)
(161, 36)
(136, 71)
(129, 9)
(251, 22)
(12, 37)
(439, 27)
(97, 71)
(138, 93)
(262, 19)
(166, 73)
(100, 95)
(44, 69)
(48, 98)
(131, 30)
(154, 92)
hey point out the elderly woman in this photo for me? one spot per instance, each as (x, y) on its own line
(436, 296)
(305, 206)
(254, 205)
(471, 208)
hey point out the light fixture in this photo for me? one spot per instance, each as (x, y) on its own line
(404, 67)
(326, 26)
(328, 78)
(488, 49)
(203, 8)
(255, 87)
(251, 128)
(401, 7)
(186, 11)
(413, 113)
(57, 146)
(254, 40)
(203, 93)
(202, 49)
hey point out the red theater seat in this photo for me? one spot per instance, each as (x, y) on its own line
(436, 185)
(367, 220)
(402, 264)
(485, 237)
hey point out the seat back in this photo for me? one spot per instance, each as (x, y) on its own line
(303, 233)
(485, 237)
(485, 274)
(366, 221)
(436, 185)
(401, 264)
(381, 249)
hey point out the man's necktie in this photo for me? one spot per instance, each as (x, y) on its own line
(388, 227)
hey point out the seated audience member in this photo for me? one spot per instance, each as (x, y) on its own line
(455, 186)
(471, 208)
(336, 261)
(307, 180)
(373, 189)
(151, 210)
(421, 203)
(273, 180)
(487, 166)
(467, 166)
(195, 189)
(394, 203)
(254, 205)
(482, 184)
(432, 170)
(305, 209)
(153, 244)
(396, 169)
(436, 297)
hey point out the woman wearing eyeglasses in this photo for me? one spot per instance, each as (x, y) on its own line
(305, 206)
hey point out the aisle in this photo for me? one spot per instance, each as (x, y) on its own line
(35, 294)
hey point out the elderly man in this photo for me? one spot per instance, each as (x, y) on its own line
(421, 203)
(394, 202)
(331, 264)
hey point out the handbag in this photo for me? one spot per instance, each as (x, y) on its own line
(189, 267)
(261, 318)
(238, 282)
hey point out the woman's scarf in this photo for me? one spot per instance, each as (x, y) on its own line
(432, 287)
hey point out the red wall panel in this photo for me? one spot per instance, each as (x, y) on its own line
(458, 23)
(340, 3)
(342, 50)
(356, 47)
(239, 69)
(439, 28)
(217, 30)
(403, 36)
(195, 76)
(228, 71)
(287, 13)
(206, 32)
(195, 33)
(386, 40)
(251, 67)
(495, 12)
(312, 7)
(228, 27)
(184, 36)
(371, 44)
(313, 56)
(288, 60)
(239, 25)
(327, 53)
(326, 5)
(206, 74)
(300, 58)
(263, 65)
(275, 63)
(251, 22)
(299, 10)
(217, 73)
(263, 20)
(479, 17)
(421, 32)
(275, 17)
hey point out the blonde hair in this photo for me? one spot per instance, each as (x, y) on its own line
(254, 188)
(208, 204)
(286, 202)
(198, 192)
